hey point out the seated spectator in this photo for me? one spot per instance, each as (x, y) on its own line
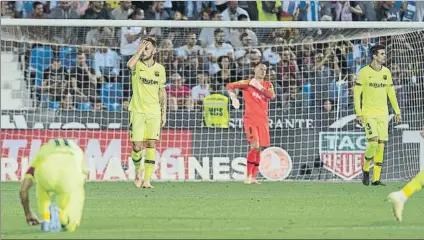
(166, 55)
(295, 99)
(272, 55)
(288, 63)
(81, 6)
(63, 11)
(55, 81)
(38, 11)
(106, 64)
(224, 76)
(387, 11)
(123, 11)
(236, 33)
(99, 34)
(97, 10)
(179, 95)
(218, 49)
(156, 12)
(207, 35)
(193, 9)
(189, 71)
(84, 81)
(201, 90)
(67, 102)
(63, 35)
(190, 49)
(233, 11)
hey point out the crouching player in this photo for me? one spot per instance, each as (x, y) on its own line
(399, 198)
(256, 93)
(58, 171)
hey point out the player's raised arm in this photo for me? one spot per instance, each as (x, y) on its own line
(134, 59)
(392, 97)
(357, 91)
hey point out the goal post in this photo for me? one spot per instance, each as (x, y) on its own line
(67, 78)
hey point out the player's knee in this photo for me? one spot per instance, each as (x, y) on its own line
(137, 146)
(255, 146)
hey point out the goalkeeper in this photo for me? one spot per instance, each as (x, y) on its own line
(58, 170)
(399, 198)
(147, 108)
(375, 84)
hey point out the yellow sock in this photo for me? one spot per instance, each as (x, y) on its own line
(136, 157)
(414, 185)
(369, 154)
(378, 162)
(149, 163)
(45, 216)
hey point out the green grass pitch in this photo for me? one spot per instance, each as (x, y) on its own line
(228, 210)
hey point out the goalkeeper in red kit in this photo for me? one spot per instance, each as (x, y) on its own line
(256, 93)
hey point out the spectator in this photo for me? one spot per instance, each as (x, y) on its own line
(190, 49)
(218, 49)
(387, 11)
(201, 90)
(268, 10)
(81, 6)
(271, 54)
(63, 35)
(419, 14)
(130, 41)
(368, 10)
(156, 12)
(287, 64)
(207, 35)
(242, 54)
(100, 34)
(361, 52)
(343, 11)
(96, 11)
(37, 33)
(193, 8)
(166, 55)
(84, 81)
(327, 106)
(225, 75)
(38, 11)
(179, 95)
(63, 11)
(326, 11)
(189, 71)
(237, 32)
(106, 64)
(67, 102)
(55, 81)
(295, 99)
(123, 12)
(233, 11)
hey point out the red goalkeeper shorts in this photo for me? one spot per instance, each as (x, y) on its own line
(257, 133)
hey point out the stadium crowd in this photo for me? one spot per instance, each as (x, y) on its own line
(85, 68)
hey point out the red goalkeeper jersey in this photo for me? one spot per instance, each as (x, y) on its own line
(255, 101)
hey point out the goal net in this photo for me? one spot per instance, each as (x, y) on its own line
(63, 78)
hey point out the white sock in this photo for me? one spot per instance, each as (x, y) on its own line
(402, 196)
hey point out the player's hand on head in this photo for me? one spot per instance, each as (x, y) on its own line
(360, 119)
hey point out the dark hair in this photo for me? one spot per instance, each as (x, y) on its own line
(243, 35)
(220, 60)
(151, 40)
(374, 49)
(35, 4)
(136, 12)
(242, 16)
(218, 30)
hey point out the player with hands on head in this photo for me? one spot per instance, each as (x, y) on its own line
(58, 170)
(147, 108)
(372, 87)
(398, 199)
(256, 93)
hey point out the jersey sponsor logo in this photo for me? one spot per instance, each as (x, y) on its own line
(257, 95)
(378, 85)
(149, 81)
(276, 164)
(342, 153)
